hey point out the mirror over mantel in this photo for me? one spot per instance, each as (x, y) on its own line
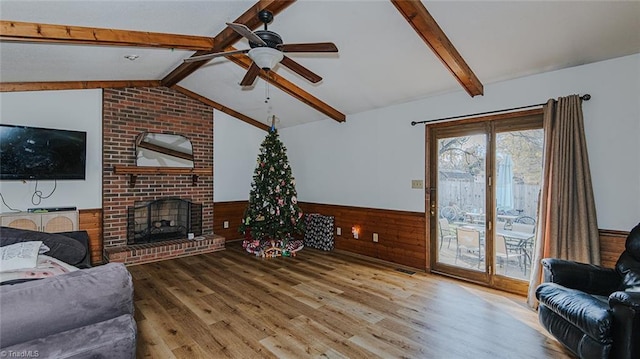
(163, 150)
(159, 153)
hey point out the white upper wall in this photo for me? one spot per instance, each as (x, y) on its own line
(79, 110)
(371, 159)
(235, 151)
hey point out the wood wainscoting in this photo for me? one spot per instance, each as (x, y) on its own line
(611, 246)
(401, 234)
(91, 221)
(231, 211)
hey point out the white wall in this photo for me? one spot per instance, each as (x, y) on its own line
(370, 160)
(79, 110)
(235, 151)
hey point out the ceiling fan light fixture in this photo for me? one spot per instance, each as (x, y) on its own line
(265, 57)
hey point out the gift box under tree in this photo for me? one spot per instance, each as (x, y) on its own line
(319, 231)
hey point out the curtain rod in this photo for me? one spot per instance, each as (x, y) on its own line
(585, 97)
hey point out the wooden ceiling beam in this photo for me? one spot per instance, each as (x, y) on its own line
(226, 37)
(428, 29)
(73, 85)
(290, 88)
(66, 34)
(33, 32)
(221, 107)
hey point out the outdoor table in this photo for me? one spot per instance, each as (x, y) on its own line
(507, 218)
(521, 240)
(518, 240)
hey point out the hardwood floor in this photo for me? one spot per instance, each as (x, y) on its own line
(324, 304)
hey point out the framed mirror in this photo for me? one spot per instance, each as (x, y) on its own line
(163, 150)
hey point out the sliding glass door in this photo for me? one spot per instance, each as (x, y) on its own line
(484, 177)
(460, 159)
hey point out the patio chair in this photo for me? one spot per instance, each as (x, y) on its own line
(526, 244)
(508, 251)
(468, 243)
(523, 227)
(525, 220)
(446, 232)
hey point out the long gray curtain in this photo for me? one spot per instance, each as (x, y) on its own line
(567, 226)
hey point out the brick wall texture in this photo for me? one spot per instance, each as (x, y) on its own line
(126, 113)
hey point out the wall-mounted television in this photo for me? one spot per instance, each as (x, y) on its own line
(42, 153)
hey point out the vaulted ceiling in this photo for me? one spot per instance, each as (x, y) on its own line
(390, 52)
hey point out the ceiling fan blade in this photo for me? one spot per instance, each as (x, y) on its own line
(251, 75)
(300, 70)
(214, 55)
(246, 32)
(309, 47)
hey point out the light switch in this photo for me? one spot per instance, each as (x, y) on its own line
(417, 184)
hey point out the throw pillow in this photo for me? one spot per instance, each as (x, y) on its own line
(61, 247)
(19, 255)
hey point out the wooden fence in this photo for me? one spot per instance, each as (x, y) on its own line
(469, 196)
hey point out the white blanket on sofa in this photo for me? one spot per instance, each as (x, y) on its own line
(45, 267)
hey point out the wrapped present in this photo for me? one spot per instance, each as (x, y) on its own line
(319, 231)
(270, 248)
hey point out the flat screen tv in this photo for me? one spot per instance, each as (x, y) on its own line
(41, 153)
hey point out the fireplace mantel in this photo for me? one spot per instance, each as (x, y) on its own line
(135, 171)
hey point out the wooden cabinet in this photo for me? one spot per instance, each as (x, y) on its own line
(51, 222)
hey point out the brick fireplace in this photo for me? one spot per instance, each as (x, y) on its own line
(127, 112)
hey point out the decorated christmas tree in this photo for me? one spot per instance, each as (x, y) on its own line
(273, 214)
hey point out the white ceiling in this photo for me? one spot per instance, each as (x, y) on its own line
(381, 59)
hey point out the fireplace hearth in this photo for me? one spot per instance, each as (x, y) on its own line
(163, 220)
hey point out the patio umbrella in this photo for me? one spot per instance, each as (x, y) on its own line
(504, 194)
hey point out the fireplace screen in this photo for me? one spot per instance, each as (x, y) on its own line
(163, 219)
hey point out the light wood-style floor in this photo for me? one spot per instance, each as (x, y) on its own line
(324, 305)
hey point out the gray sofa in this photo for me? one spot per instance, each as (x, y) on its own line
(82, 314)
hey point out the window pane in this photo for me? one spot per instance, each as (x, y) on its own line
(461, 198)
(517, 188)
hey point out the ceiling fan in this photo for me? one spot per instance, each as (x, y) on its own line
(267, 50)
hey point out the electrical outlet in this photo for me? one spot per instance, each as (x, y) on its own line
(417, 184)
(375, 237)
(225, 224)
(339, 231)
(354, 231)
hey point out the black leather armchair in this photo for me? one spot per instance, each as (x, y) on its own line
(591, 310)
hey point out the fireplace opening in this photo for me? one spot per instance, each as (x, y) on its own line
(162, 220)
